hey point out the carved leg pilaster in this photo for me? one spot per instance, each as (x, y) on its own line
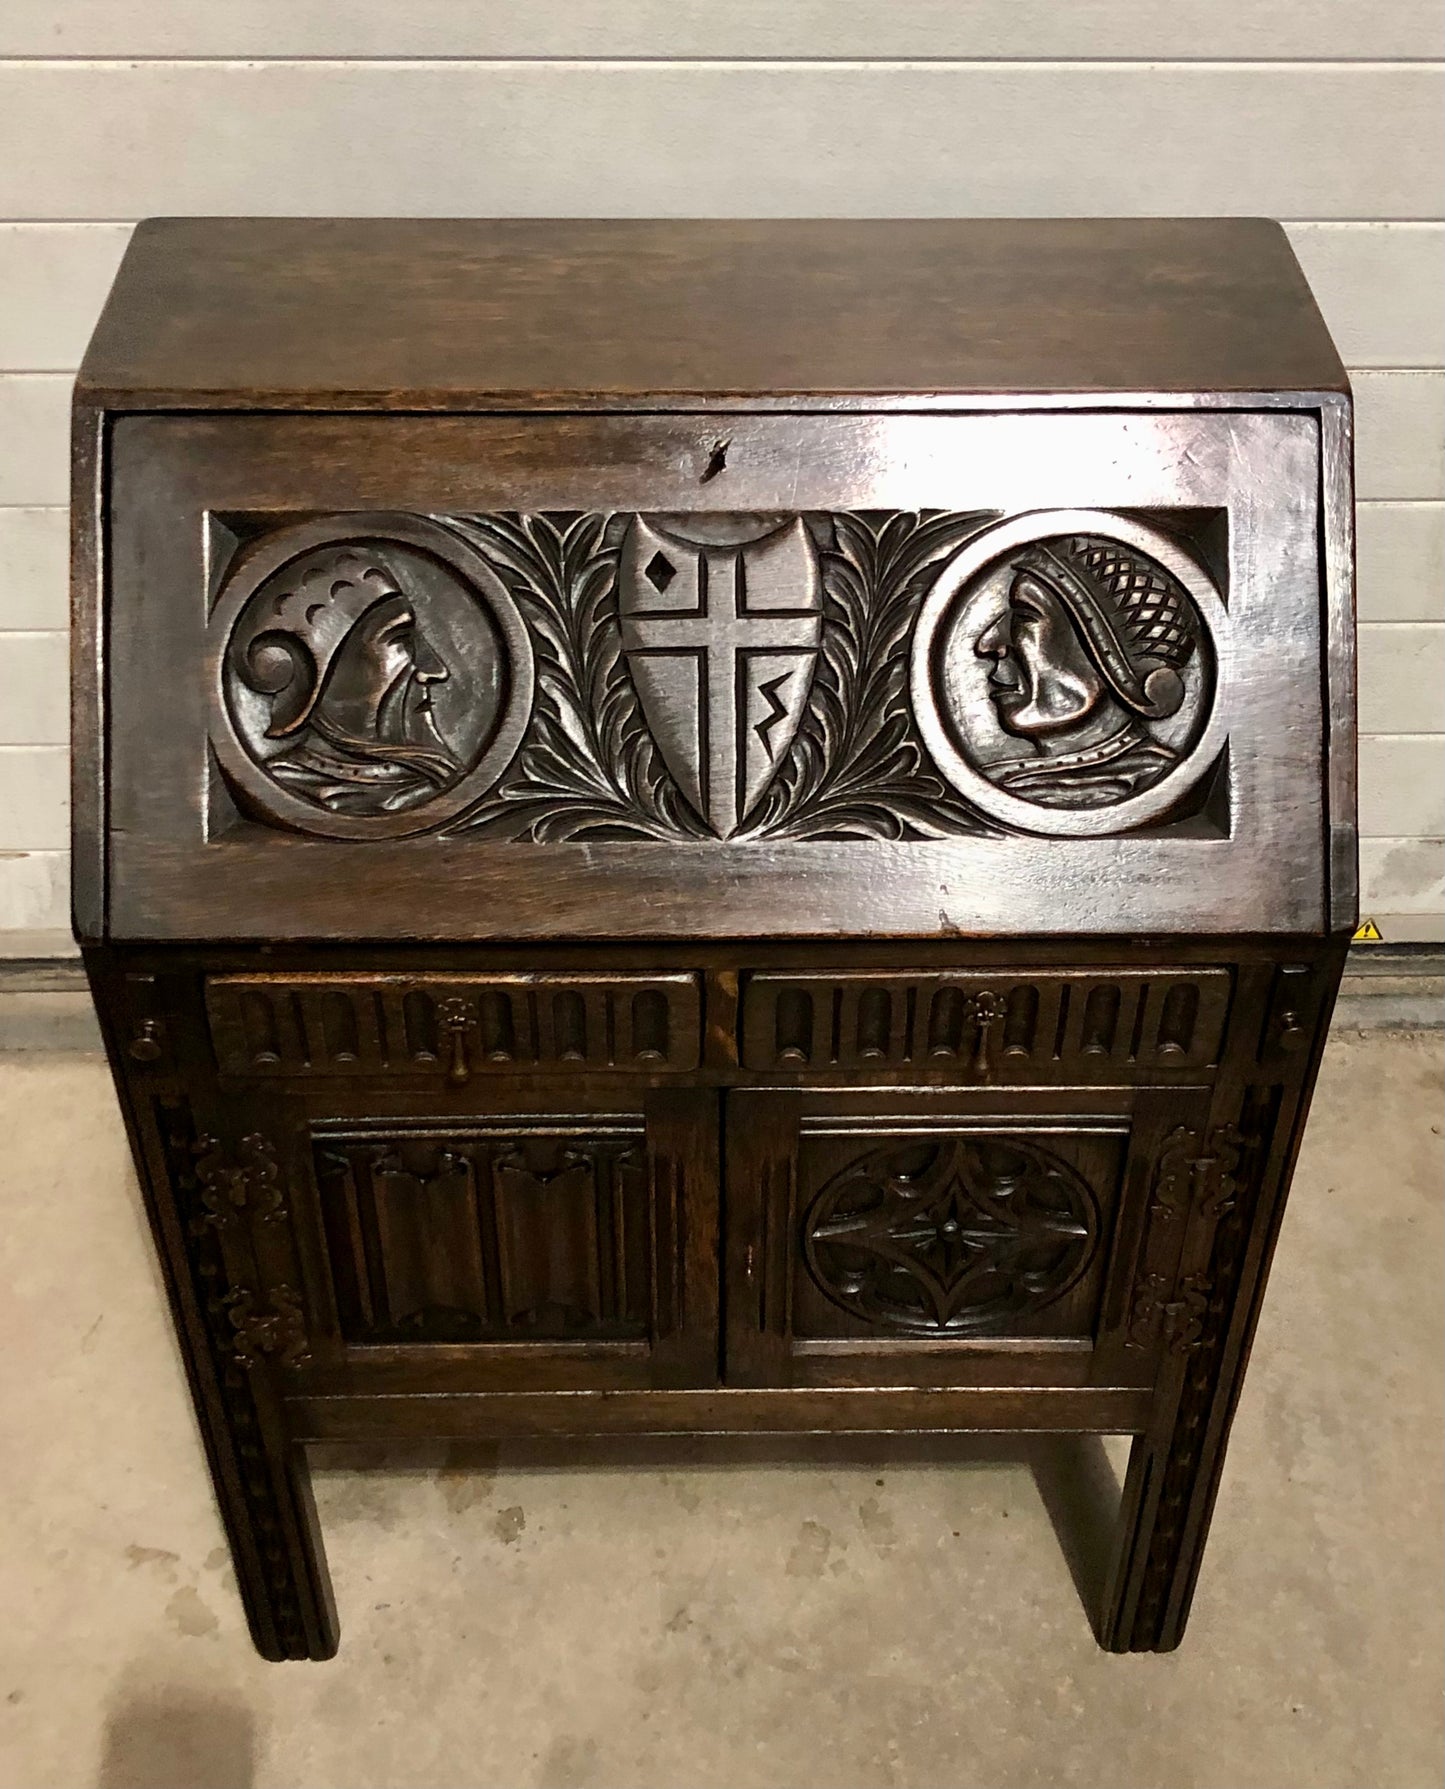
(236, 1336)
(221, 1229)
(1237, 1176)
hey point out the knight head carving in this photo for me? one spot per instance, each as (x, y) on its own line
(349, 671)
(1087, 663)
(341, 641)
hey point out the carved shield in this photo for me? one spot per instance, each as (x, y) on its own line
(721, 619)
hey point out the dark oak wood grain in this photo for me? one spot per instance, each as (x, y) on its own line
(712, 828)
(242, 313)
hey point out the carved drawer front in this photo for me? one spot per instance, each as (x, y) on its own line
(893, 1239)
(453, 1026)
(987, 1026)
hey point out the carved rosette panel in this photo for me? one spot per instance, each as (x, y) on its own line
(949, 1237)
(878, 675)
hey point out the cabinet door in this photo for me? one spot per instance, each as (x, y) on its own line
(910, 1237)
(555, 1243)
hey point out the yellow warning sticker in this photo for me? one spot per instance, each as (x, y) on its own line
(1369, 933)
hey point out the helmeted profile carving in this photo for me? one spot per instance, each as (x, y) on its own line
(1067, 681)
(351, 672)
(368, 680)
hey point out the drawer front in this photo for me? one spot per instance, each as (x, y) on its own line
(929, 676)
(987, 1026)
(428, 1027)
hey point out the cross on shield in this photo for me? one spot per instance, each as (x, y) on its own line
(721, 626)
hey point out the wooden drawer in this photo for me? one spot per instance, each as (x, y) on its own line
(987, 1026)
(422, 1027)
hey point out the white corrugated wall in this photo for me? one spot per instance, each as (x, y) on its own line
(1325, 113)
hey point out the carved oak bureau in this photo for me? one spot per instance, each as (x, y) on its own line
(712, 827)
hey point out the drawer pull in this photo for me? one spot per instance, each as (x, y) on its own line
(985, 1012)
(458, 1022)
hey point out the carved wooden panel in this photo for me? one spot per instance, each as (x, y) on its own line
(453, 1026)
(523, 1233)
(951, 1230)
(986, 1026)
(230, 1212)
(606, 675)
(951, 1235)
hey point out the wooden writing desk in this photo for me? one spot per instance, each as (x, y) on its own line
(713, 826)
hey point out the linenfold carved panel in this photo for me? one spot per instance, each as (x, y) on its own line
(875, 675)
(530, 1234)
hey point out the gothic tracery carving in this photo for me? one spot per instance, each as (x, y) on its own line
(951, 1236)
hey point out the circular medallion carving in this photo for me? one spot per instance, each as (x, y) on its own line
(1068, 672)
(950, 1236)
(373, 676)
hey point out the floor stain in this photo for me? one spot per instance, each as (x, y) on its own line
(508, 1524)
(469, 1475)
(161, 1556)
(878, 1524)
(688, 1495)
(190, 1614)
(809, 1557)
(461, 1489)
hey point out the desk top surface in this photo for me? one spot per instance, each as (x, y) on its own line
(322, 313)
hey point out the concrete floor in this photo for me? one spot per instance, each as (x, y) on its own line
(683, 1615)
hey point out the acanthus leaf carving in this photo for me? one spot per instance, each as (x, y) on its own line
(246, 1188)
(858, 767)
(1177, 1315)
(588, 767)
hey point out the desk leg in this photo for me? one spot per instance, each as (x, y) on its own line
(1175, 1466)
(230, 1349)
